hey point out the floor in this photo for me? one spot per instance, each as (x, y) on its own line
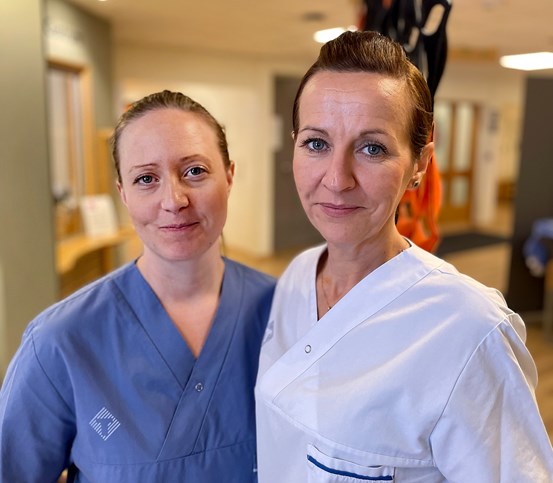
(489, 265)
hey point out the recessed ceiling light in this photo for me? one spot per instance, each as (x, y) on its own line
(323, 36)
(533, 61)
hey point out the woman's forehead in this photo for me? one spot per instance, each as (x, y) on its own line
(355, 93)
(165, 131)
(353, 84)
(168, 122)
(167, 115)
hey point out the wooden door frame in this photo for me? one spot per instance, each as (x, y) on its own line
(448, 212)
(91, 181)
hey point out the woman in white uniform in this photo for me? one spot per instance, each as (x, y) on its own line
(147, 374)
(382, 362)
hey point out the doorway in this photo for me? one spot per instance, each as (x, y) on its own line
(292, 228)
(456, 134)
(71, 136)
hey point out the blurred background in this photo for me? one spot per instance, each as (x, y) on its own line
(69, 68)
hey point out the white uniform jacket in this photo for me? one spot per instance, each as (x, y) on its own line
(419, 374)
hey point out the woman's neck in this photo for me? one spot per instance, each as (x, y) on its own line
(342, 267)
(189, 292)
(179, 280)
(351, 264)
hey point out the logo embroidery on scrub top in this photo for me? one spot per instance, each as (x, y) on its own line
(104, 423)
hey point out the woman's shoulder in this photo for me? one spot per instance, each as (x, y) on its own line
(86, 305)
(456, 289)
(252, 275)
(252, 287)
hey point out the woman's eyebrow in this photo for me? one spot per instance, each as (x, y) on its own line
(311, 128)
(139, 167)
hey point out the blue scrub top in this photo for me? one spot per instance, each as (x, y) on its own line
(103, 382)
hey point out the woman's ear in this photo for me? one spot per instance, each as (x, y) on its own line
(230, 176)
(121, 192)
(421, 164)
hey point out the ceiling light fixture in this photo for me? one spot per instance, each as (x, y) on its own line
(533, 61)
(326, 35)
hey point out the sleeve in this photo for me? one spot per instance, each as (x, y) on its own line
(36, 425)
(491, 429)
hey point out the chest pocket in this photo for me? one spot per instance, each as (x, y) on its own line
(326, 469)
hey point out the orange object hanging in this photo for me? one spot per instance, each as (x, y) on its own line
(419, 209)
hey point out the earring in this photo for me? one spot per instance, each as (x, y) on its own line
(416, 184)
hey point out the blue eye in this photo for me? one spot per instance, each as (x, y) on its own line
(374, 149)
(145, 179)
(315, 144)
(195, 171)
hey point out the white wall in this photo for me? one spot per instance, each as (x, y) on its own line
(487, 165)
(238, 91)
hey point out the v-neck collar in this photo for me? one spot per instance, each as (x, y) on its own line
(164, 334)
(370, 295)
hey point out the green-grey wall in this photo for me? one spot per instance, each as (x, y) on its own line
(31, 31)
(27, 275)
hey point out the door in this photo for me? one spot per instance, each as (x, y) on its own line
(456, 128)
(292, 228)
(70, 139)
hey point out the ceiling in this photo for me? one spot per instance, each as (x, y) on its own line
(280, 29)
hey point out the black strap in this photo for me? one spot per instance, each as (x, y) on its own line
(404, 21)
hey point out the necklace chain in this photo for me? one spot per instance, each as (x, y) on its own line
(325, 296)
(328, 306)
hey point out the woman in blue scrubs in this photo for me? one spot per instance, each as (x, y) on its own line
(147, 374)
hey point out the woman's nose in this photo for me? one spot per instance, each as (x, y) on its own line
(175, 196)
(339, 175)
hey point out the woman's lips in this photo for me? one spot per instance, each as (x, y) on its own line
(339, 210)
(175, 227)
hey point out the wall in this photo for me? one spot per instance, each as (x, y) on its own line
(534, 199)
(28, 280)
(74, 36)
(27, 275)
(238, 91)
(494, 87)
(501, 94)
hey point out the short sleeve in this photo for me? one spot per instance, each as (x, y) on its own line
(36, 424)
(491, 429)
